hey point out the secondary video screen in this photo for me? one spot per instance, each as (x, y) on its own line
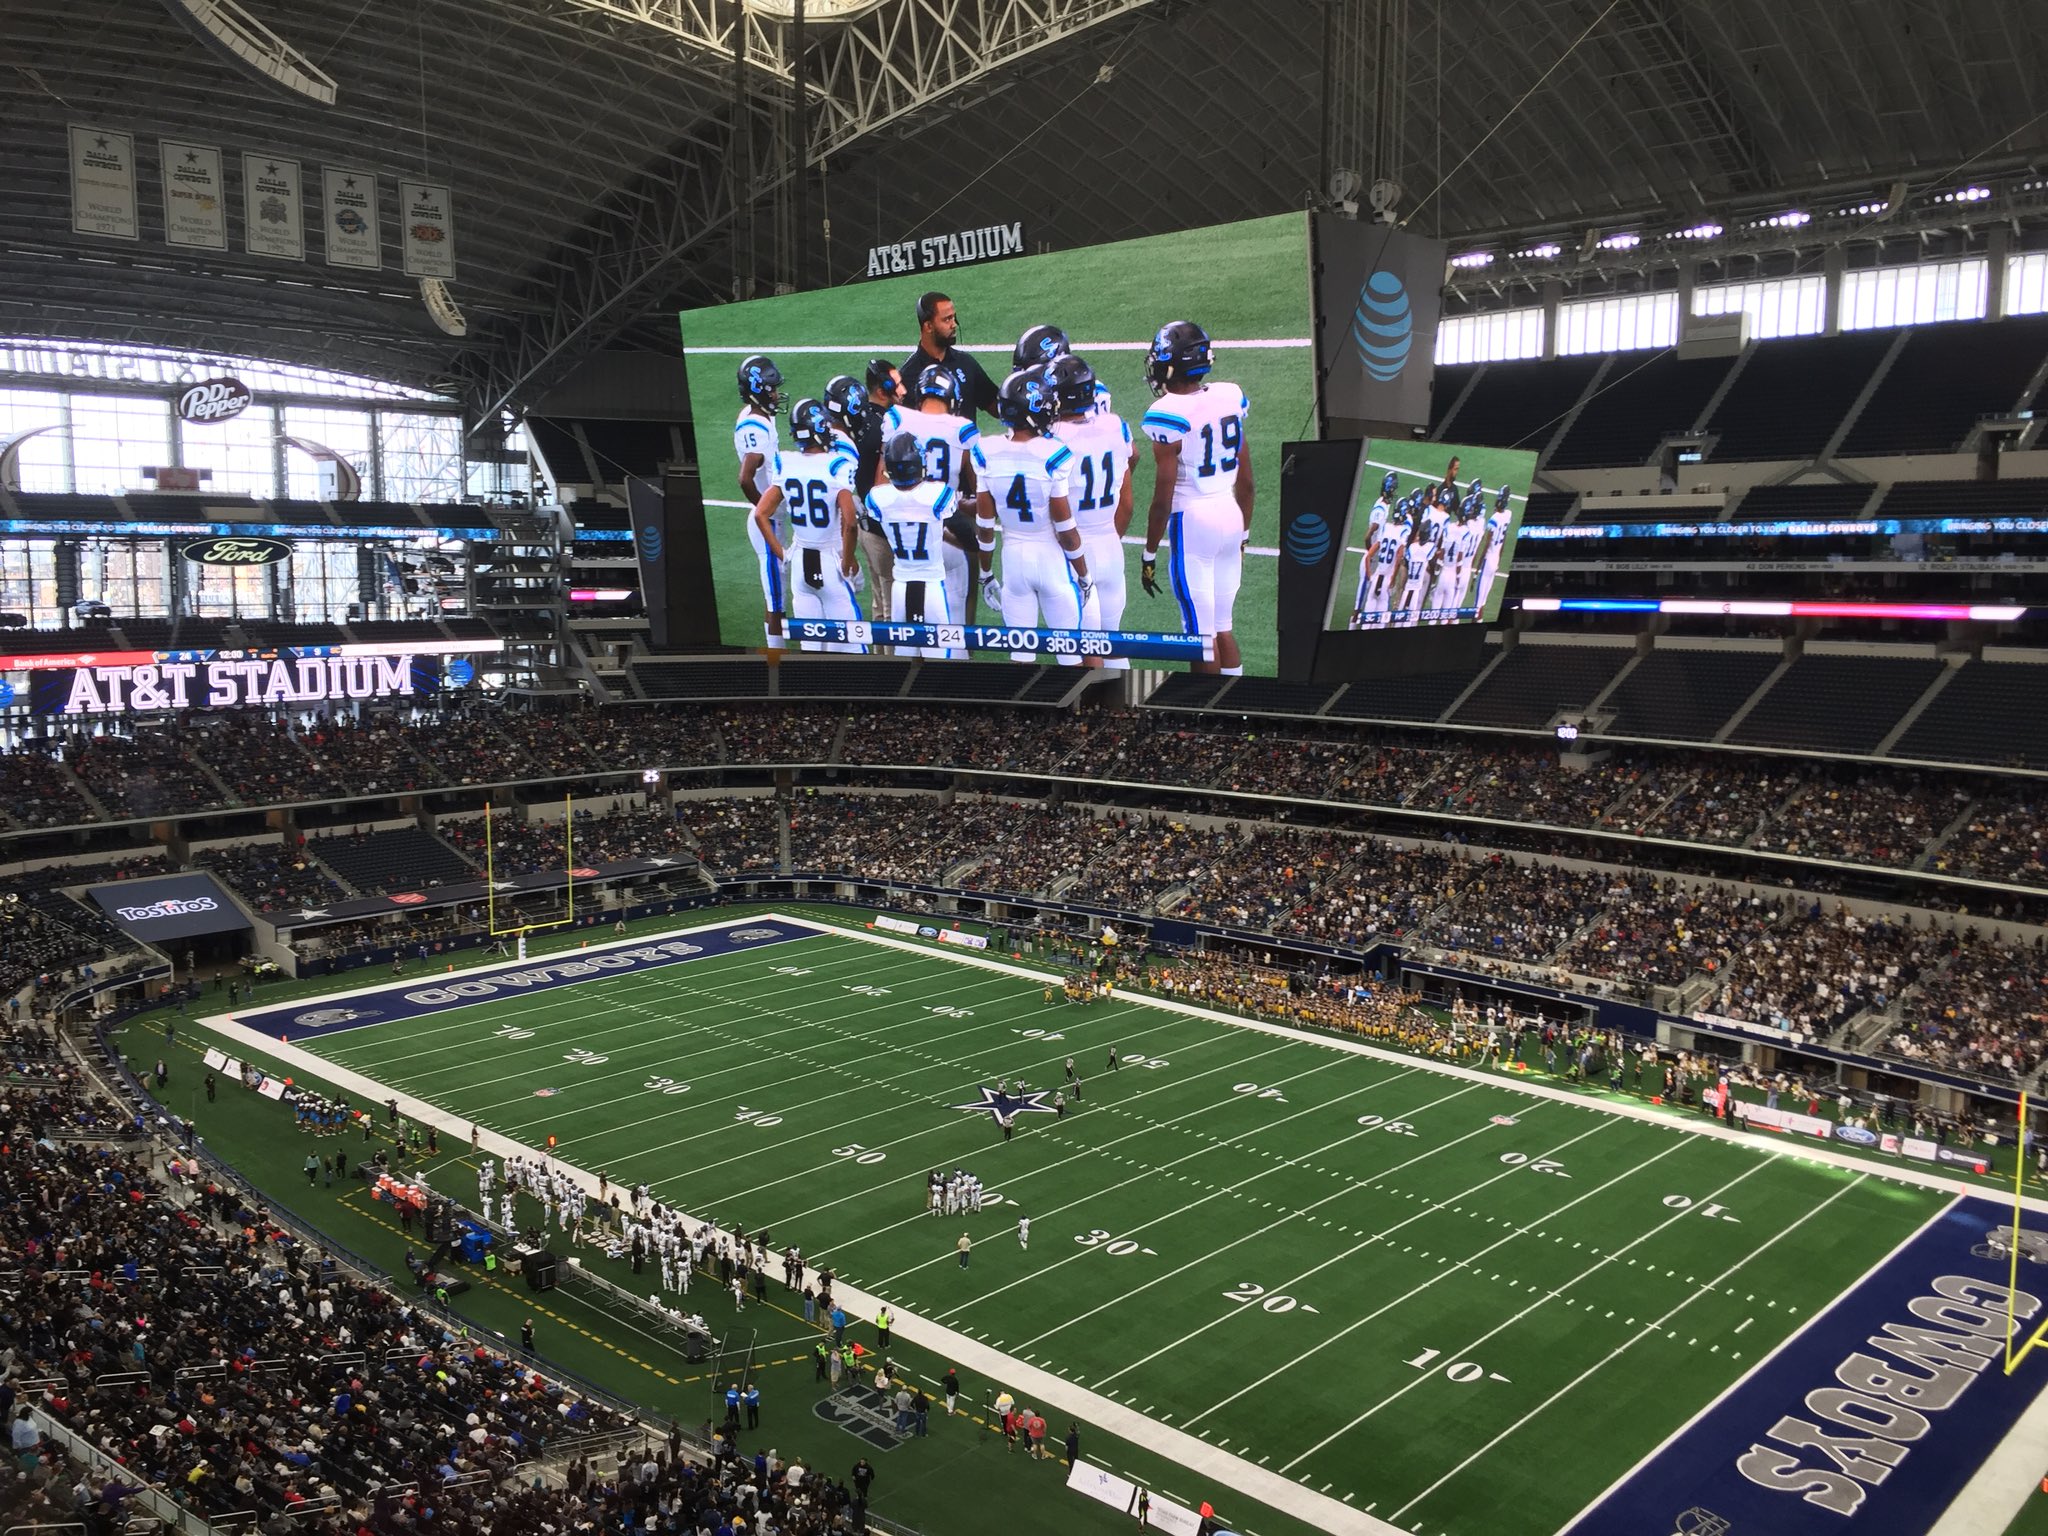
(1430, 536)
(915, 554)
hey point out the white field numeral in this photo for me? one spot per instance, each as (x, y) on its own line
(1549, 1165)
(1275, 1302)
(860, 1154)
(757, 1117)
(1120, 1247)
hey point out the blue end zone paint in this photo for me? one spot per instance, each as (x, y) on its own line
(311, 1019)
(1891, 1484)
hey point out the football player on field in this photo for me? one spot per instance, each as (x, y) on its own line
(816, 484)
(755, 441)
(938, 420)
(1043, 345)
(911, 511)
(1498, 522)
(1024, 483)
(1100, 476)
(1202, 489)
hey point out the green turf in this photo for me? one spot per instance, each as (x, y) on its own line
(1366, 1247)
(1240, 281)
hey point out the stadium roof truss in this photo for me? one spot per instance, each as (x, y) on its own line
(599, 162)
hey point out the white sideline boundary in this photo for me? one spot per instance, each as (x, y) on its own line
(1031, 1382)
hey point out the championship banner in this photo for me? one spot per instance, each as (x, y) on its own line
(426, 219)
(195, 196)
(103, 183)
(1379, 295)
(348, 216)
(273, 208)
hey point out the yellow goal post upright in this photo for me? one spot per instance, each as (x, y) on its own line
(568, 874)
(2013, 1356)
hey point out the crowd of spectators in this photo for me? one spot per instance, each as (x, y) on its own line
(270, 876)
(520, 847)
(142, 775)
(212, 1357)
(735, 836)
(2004, 839)
(1985, 1011)
(36, 791)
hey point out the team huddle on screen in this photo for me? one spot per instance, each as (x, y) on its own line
(893, 473)
(1431, 555)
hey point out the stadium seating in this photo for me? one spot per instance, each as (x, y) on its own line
(851, 678)
(701, 679)
(969, 680)
(1638, 405)
(1791, 395)
(1519, 405)
(1945, 378)
(1687, 695)
(1534, 682)
(1989, 712)
(1826, 501)
(1834, 703)
(1418, 696)
(402, 859)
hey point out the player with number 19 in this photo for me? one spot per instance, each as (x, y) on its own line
(911, 512)
(1100, 475)
(816, 483)
(1202, 489)
(755, 443)
(1024, 479)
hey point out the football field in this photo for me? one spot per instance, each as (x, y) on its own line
(1415, 1295)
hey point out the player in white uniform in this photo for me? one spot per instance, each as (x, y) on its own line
(816, 484)
(1100, 476)
(1044, 345)
(1419, 558)
(1380, 575)
(912, 511)
(755, 441)
(948, 439)
(1498, 524)
(1202, 489)
(1023, 476)
(1454, 556)
(1375, 520)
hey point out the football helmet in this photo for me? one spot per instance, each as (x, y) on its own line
(1389, 485)
(846, 402)
(1502, 497)
(1025, 401)
(810, 424)
(935, 381)
(903, 460)
(1179, 353)
(1040, 344)
(761, 384)
(1072, 383)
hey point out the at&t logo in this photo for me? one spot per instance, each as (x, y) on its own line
(1383, 326)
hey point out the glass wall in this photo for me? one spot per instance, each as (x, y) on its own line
(1497, 335)
(1921, 294)
(1778, 306)
(1627, 323)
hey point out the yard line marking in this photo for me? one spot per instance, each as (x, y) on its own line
(1144, 1172)
(1352, 1186)
(1773, 1354)
(1621, 1349)
(1644, 1237)
(1413, 1291)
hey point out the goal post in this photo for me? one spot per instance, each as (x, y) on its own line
(568, 875)
(2013, 1356)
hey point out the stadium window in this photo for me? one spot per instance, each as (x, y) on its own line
(1496, 336)
(28, 580)
(241, 452)
(1779, 306)
(326, 579)
(2026, 283)
(45, 461)
(1628, 323)
(230, 591)
(114, 438)
(421, 456)
(125, 574)
(347, 432)
(1926, 293)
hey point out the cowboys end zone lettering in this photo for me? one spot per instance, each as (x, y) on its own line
(307, 1021)
(1870, 1420)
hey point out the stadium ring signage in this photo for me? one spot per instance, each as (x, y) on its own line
(212, 400)
(238, 549)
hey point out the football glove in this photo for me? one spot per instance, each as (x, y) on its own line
(857, 578)
(992, 591)
(1087, 589)
(1148, 575)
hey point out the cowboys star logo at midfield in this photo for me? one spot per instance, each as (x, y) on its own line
(1019, 1101)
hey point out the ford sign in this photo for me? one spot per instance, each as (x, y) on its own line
(238, 549)
(214, 400)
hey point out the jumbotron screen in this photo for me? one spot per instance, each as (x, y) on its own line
(1430, 536)
(915, 557)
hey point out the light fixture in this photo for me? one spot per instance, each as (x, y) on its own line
(1549, 250)
(1621, 242)
(1706, 231)
(1473, 259)
(822, 11)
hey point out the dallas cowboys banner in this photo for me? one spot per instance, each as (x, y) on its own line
(273, 208)
(1379, 295)
(103, 183)
(348, 215)
(195, 196)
